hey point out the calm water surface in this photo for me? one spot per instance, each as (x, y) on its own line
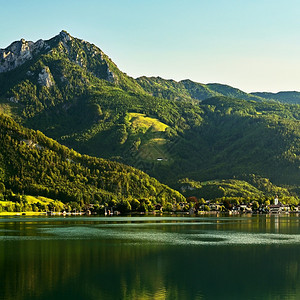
(254, 257)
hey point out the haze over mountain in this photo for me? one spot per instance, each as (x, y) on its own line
(72, 91)
(284, 97)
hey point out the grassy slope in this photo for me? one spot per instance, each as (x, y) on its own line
(42, 201)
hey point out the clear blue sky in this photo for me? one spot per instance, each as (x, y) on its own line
(253, 45)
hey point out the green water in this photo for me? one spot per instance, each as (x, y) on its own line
(255, 257)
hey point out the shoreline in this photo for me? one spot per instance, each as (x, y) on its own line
(174, 214)
(22, 214)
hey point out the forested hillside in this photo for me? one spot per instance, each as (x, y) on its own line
(33, 164)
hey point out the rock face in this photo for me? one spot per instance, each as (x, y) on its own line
(110, 75)
(18, 53)
(64, 37)
(77, 51)
(45, 78)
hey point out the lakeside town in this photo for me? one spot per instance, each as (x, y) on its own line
(193, 206)
(39, 205)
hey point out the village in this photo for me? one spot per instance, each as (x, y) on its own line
(193, 206)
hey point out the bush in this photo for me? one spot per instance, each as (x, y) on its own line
(206, 208)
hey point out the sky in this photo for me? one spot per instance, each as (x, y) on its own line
(253, 45)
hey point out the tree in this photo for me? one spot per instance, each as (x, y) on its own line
(206, 208)
(143, 207)
(227, 205)
(255, 205)
(202, 201)
(124, 206)
(10, 207)
(2, 188)
(24, 199)
(267, 202)
(169, 206)
(135, 204)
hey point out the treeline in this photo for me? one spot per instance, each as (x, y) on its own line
(246, 189)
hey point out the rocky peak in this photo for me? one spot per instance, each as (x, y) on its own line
(78, 51)
(64, 36)
(18, 53)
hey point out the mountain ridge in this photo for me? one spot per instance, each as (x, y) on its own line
(292, 97)
(19, 52)
(190, 90)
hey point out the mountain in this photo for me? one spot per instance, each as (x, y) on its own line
(55, 52)
(187, 90)
(33, 164)
(71, 91)
(284, 97)
(43, 74)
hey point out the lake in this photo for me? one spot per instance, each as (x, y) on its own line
(148, 257)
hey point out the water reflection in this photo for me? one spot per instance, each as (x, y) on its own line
(143, 258)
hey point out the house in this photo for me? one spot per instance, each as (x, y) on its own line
(285, 207)
(31, 144)
(275, 209)
(244, 208)
(184, 188)
(214, 207)
(38, 147)
(278, 208)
